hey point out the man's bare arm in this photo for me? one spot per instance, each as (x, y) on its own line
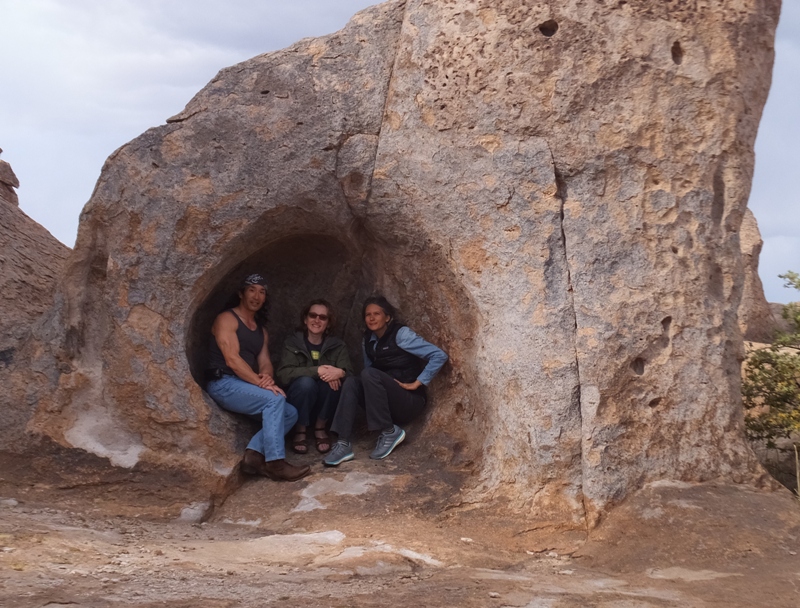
(224, 330)
(265, 369)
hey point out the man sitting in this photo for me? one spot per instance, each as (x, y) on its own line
(240, 380)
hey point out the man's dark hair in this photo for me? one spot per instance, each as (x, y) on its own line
(383, 303)
(331, 317)
(262, 314)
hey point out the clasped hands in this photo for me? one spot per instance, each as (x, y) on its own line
(332, 375)
(266, 381)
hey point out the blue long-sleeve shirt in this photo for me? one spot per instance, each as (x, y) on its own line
(412, 343)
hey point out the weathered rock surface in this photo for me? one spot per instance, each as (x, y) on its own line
(31, 265)
(8, 182)
(359, 544)
(756, 318)
(551, 191)
(31, 260)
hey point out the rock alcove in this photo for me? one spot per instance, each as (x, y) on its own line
(297, 269)
(345, 269)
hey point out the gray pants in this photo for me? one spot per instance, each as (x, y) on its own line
(384, 400)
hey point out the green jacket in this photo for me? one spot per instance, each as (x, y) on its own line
(296, 360)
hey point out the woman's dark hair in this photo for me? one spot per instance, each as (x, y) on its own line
(331, 317)
(261, 315)
(383, 303)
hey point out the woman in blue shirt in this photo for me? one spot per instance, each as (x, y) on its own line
(398, 366)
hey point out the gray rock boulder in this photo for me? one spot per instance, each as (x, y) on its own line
(31, 266)
(552, 192)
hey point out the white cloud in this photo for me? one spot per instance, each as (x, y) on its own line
(83, 77)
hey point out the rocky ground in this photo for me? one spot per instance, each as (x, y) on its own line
(385, 533)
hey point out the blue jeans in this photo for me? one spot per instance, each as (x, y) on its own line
(277, 416)
(312, 396)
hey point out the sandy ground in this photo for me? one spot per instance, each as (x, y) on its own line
(390, 533)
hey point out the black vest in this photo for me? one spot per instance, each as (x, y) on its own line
(390, 358)
(250, 344)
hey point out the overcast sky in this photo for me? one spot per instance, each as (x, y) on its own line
(82, 77)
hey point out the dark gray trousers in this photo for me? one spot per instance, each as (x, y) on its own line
(385, 402)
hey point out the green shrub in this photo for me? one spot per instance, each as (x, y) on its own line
(771, 393)
(771, 383)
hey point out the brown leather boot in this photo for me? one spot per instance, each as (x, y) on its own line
(280, 470)
(253, 463)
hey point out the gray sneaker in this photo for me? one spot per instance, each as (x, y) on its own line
(387, 442)
(341, 452)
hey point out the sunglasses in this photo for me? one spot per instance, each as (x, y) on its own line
(313, 315)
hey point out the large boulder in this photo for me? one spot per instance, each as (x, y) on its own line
(551, 191)
(31, 265)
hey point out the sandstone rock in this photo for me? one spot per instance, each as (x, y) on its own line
(756, 319)
(31, 260)
(8, 181)
(550, 191)
(31, 263)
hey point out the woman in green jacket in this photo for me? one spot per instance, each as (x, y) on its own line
(312, 368)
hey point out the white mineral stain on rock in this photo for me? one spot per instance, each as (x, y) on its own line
(223, 469)
(357, 552)
(97, 432)
(685, 504)
(292, 545)
(195, 512)
(654, 513)
(541, 603)
(684, 574)
(670, 483)
(243, 522)
(353, 484)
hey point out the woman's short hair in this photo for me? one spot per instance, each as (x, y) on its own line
(318, 302)
(379, 300)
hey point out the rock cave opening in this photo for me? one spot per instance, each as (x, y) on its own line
(345, 270)
(297, 269)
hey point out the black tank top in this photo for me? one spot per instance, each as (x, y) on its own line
(250, 344)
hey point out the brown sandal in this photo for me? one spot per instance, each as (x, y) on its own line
(322, 440)
(300, 442)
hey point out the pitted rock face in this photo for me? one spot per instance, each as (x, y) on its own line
(551, 191)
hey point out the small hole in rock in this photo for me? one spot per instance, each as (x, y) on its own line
(674, 249)
(265, 92)
(638, 366)
(548, 28)
(666, 323)
(654, 402)
(677, 53)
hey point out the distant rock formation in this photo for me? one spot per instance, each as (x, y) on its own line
(756, 317)
(8, 183)
(31, 264)
(551, 191)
